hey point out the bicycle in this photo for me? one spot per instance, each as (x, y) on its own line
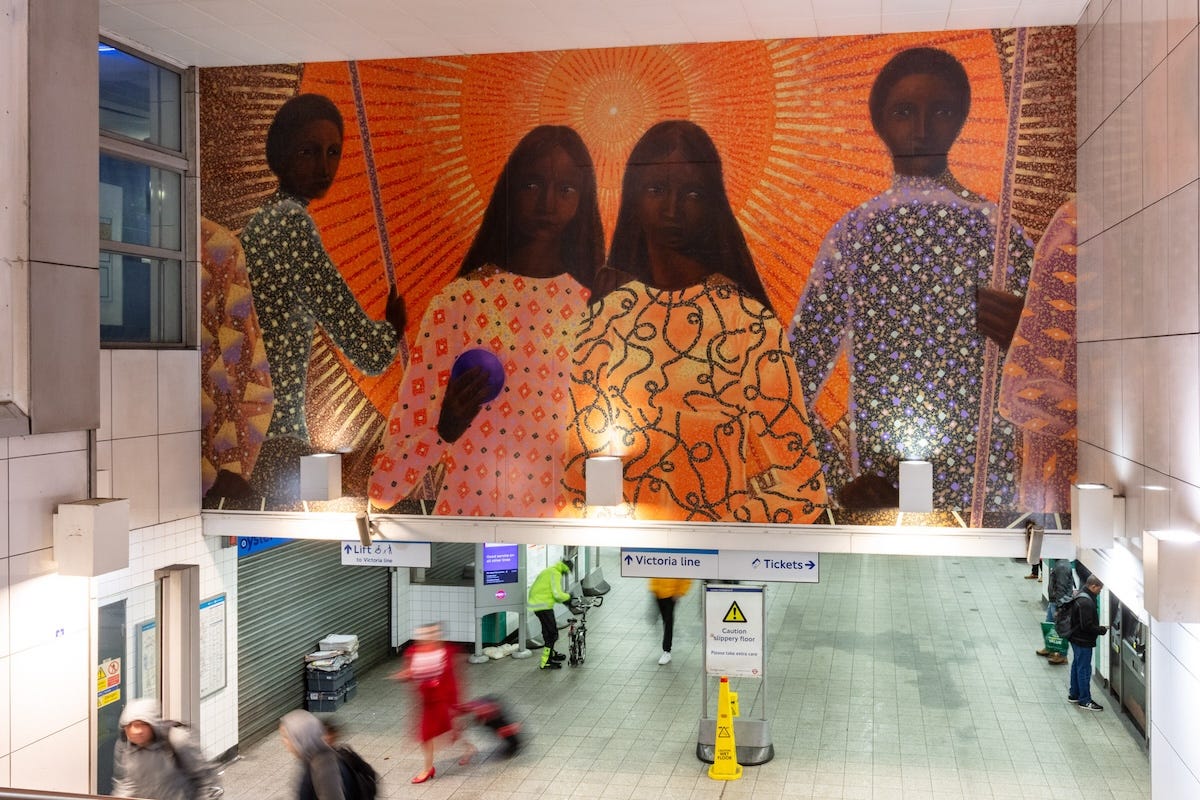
(577, 628)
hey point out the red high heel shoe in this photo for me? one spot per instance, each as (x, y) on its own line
(424, 776)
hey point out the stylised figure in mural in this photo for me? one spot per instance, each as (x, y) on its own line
(296, 286)
(520, 294)
(684, 371)
(1037, 390)
(919, 288)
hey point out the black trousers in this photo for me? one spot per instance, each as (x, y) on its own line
(666, 609)
(549, 627)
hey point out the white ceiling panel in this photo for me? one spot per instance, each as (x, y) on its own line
(849, 25)
(224, 32)
(918, 21)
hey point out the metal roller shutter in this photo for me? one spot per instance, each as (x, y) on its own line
(289, 597)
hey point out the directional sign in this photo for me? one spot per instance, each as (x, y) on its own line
(386, 554)
(640, 562)
(756, 565)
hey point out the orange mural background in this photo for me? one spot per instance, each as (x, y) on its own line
(789, 118)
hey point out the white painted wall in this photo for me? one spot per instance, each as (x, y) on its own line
(1139, 313)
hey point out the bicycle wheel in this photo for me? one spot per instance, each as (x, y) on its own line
(574, 649)
(581, 639)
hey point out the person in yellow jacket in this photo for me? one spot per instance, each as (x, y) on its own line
(666, 592)
(545, 591)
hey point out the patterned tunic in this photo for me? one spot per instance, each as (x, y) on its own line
(893, 288)
(509, 461)
(695, 390)
(1037, 391)
(295, 287)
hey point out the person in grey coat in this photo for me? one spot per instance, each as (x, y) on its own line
(159, 759)
(324, 776)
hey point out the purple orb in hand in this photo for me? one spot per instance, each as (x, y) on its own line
(486, 360)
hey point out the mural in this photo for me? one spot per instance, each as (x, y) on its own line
(761, 273)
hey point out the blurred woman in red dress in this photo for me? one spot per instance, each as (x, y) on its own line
(430, 668)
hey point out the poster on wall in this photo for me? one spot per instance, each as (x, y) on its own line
(147, 659)
(212, 645)
(760, 273)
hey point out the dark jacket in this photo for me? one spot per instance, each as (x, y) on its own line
(323, 775)
(1088, 619)
(1062, 583)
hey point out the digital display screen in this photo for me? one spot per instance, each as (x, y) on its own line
(500, 563)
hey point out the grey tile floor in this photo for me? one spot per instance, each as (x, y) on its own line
(894, 677)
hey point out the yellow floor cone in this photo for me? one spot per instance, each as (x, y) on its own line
(725, 766)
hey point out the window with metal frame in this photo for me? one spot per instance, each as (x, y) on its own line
(144, 239)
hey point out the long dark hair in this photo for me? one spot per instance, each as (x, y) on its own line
(582, 247)
(726, 251)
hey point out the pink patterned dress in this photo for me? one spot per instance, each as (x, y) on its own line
(510, 460)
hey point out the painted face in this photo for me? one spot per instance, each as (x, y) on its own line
(139, 733)
(673, 206)
(921, 119)
(312, 163)
(547, 196)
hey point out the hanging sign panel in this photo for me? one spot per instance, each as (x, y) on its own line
(386, 554)
(645, 562)
(733, 630)
(758, 565)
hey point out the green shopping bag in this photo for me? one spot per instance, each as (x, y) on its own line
(1054, 642)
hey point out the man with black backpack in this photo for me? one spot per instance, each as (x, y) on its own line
(329, 771)
(1082, 623)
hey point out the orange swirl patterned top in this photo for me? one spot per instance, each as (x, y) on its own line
(696, 391)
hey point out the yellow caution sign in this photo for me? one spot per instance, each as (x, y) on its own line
(734, 614)
(101, 680)
(725, 766)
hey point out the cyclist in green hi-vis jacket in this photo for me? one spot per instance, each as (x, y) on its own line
(543, 594)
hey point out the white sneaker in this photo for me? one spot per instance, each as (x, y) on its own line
(665, 658)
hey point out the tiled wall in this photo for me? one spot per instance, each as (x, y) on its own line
(44, 619)
(453, 606)
(149, 435)
(148, 446)
(181, 542)
(1139, 312)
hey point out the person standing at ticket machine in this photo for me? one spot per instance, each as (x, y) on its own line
(547, 589)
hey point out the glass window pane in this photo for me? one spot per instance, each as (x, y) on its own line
(139, 100)
(141, 299)
(140, 204)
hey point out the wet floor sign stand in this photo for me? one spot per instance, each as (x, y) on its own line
(725, 766)
(734, 648)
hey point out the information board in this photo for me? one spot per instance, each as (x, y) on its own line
(733, 630)
(501, 563)
(147, 659)
(499, 577)
(212, 645)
